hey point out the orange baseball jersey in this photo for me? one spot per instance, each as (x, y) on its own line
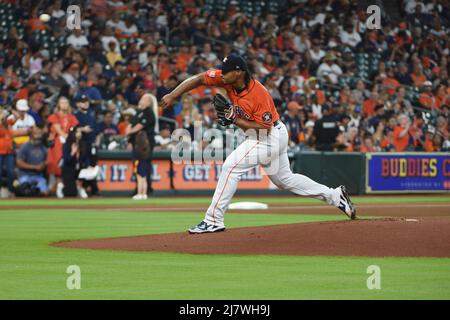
(253, 104)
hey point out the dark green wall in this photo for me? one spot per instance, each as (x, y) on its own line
(333, 169)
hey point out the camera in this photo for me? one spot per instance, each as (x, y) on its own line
(27, 189)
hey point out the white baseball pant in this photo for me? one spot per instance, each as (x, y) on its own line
(269, 151)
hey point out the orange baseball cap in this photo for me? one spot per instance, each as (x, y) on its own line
(293, 105)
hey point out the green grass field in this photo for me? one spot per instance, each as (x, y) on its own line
(31, 269)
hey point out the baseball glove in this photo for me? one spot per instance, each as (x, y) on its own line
(225, 110)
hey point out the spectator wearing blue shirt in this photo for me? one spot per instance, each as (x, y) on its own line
(107, 127)
(32, 161)
(403, 75)
(106, 131)
(5, 97)
(105, 88)
(292, 121)
(118, 71)
(129, 91)
(167, 87)
(36, 116)
(88, 128)
(36, 104)
(91, 92)
(86, 121)
(2, 60)
(376, 119)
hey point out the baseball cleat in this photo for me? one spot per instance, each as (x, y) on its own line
(346, 205)
(204, 227)
(140, 197)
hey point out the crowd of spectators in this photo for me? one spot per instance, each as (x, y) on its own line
(382, 89)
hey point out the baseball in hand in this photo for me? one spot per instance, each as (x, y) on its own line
(44, 17)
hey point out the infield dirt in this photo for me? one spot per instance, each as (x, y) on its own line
(400, 237)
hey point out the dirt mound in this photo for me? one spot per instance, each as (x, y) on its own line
(420, 237)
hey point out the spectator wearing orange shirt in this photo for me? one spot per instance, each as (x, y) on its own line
(425, 142)
(99, 8)
(368, 145)
(164, 67)
(183, 58)
(427, 99)
(61, 122)
(428, 145)
(127, 114)
(369, 104)
(390, 83)
(417, 75)
(285, 41)
(304, 69)
(402, 137)
(34, 23)
(344, 95)
(202, 92)
(417, 131)
(134, 67)
(27, 90)
(313, 85)
(387, 142)
(6, 150)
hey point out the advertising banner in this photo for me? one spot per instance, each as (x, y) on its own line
(205, 176)
(118, 175)
(407, 172)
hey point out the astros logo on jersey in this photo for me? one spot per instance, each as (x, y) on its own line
(267, 117)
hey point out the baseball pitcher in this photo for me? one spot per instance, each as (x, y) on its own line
(252, 109)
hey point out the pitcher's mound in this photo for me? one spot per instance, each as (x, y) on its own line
(421, 237)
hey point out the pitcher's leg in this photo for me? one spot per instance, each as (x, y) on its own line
(302, 185)
(241, 160)
(282, 176)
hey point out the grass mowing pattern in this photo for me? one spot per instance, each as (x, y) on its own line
(30, 269)
(168, 201)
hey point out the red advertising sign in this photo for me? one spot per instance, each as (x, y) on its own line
(204, 176)
(118, 175)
